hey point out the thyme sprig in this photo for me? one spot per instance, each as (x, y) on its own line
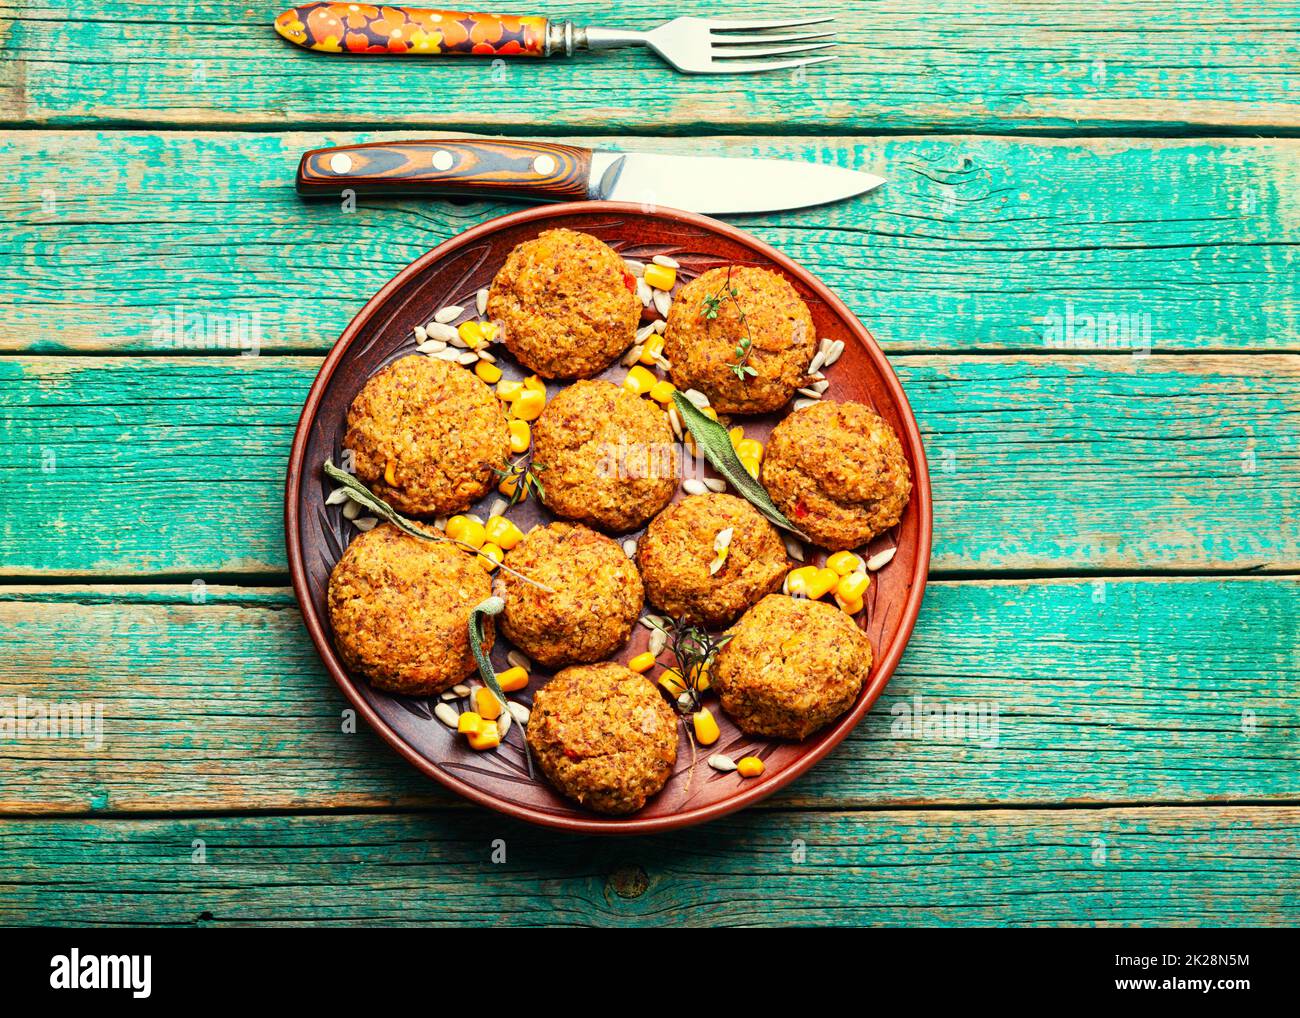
(711, 308)
(693, 648)
(358, 492)
(522, 476)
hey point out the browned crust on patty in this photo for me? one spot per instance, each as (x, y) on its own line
(399, 608)
(608, 457)
(563, 304)
(676, 550)
(603, 736)
(701, 348)
(838, 471)
(790, 667)
(442, 429)
(597, 595)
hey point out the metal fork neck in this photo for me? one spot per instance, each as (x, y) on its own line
(564, 37)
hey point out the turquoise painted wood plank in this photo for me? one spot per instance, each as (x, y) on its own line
(901, 65)
(1158, 867)
(975, 244)
(135, 466)
(1114, 691)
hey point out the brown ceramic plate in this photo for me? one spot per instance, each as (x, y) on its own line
(317, 534)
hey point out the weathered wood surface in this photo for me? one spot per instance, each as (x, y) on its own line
(994, 65)
(975, 244)
(1112, 867)
(136, 466)
(1108, 691)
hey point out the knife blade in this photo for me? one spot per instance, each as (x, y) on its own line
(544, 171)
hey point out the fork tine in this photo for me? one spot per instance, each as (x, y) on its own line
(728, 53)
(736, 67)
(741, 40)
(728, 25)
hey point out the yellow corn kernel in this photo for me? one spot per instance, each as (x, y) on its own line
(501, 532)
(508, 389)
(652, 349)
(850, 607)
(535, 383)
(489, 330)
(639, 380)
(845, 562)
(512, 680)
(822, 583)
(702, 681)
(521, 435)
(709, 412)
(487, 371)
(661, 277)
(469, 723)
(390, 473)
(472, 333)
(749, 447)
(486, 704)
(662, 392)
(490, 556)
(798, 580)
(487, 737)
(749, 767)
(529, 405)
(671, 680)
(642, 662)
(509, 485)
(751, 465)
(462, 528)
(737, 435)
(706, 729)
(853, 586)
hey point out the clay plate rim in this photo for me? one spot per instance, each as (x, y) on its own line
(752, 791)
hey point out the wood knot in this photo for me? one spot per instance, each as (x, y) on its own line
(629, 881)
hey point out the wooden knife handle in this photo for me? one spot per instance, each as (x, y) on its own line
(505, 169)
(365, 28)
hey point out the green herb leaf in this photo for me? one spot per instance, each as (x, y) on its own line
(490, 606)
(712, 438)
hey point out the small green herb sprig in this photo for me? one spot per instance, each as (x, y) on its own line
(523, 475)
(693, 648)
(712, 307)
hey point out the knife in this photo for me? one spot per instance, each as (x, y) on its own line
(543, 171)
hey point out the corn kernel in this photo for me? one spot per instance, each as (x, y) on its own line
(529, 405)
(751, 465)
(466, 530)
(652, 349)
(487, 371)
(822, 583)
(662, 392)
(512, 680)
(508, 389)
(702, 681)
(749, 447)
(853, 586)
(535, 383)
(489, 330)
(509, 485)
(709, 412)
(661, 277)
(706, 728)
(469, 723)
(486, 704)
(749, 767)
(487, 737)
(798, 579)
(490, 556)
(737, 435)
(390, 473)
(521, 436)
(850, 607)
(845, 562)
(472, 333)
(503, 533)
(642, 662)
(639, 381)
(671, 680)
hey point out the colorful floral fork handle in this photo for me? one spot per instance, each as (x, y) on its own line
(365, 28)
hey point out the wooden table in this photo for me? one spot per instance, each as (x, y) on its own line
(1115, 554)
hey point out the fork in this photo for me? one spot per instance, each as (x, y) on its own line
(692, 45)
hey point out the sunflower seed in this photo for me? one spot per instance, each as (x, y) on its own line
(675, 422)
(644, 292)
(351, 509)
(879, 561)
(420, 334)
(694, 486)
(684, 701)
(458, 340)
(664, 362)
(447, 714)
(448, 314)
(659, 325)
(645, 332)
(446, 333)
(449, 354)
(365, 523)
(820, 386)
(629, 548)
(651, 620)
(467, 358)
(460, 689)
(448, 694)
(799, 404)
(697, 397)
(632, 356)
(817, 362)
(635, 267)
(833, 354)
(517, 659)
(793, 548)
(498, 508)
(337, 495)
(519, 712)
(441, 522)
(722, 762)
(663, 300)
(475, 517)
(715, 484)
(658, 641)
(480, 301)
(503, 723)
(431, 346)
(811, 393)
(666, 262)
(483, 355)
